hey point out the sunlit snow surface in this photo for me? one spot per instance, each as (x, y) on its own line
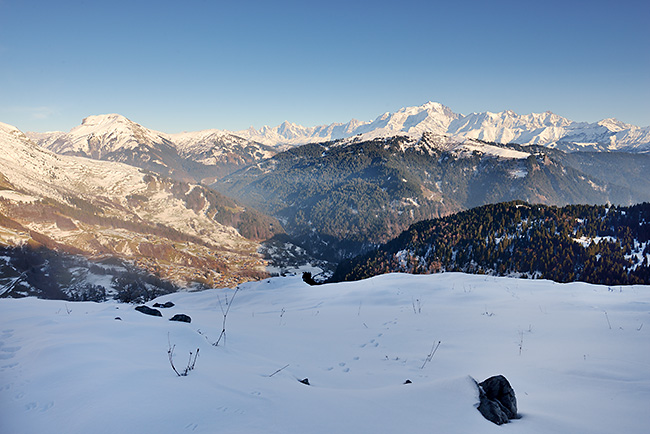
(577, 355)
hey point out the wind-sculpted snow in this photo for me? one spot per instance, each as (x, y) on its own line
(575, 354)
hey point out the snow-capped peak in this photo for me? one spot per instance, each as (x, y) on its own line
(104, 120)
(99, 135)
(615, 125)
(106, 133)
(546, 128)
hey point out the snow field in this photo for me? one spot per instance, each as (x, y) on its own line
(577, 356)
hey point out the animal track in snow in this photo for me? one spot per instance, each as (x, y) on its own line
(46, 407)
(10, 365)
(35, 405)
(372, 343)
(7, 352)
(225, 409)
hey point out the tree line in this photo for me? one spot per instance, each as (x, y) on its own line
(597, 244)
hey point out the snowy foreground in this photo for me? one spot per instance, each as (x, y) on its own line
(577, 355)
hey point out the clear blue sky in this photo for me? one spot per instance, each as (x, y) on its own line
(198, 64)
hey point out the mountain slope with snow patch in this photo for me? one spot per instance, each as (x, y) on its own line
(182, 231)
(194, 156)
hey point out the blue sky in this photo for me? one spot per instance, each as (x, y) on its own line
(198, 64)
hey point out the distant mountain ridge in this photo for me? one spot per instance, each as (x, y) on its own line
(547, 129)
(209, 155)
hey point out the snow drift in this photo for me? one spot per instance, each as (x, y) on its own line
(576, 354)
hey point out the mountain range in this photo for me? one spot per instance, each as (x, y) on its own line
(178, 231)
(338, 190)
(208, 155)
(547, 129)
(194, 156)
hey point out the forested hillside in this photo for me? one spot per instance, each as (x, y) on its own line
(598, 244)
(340, 199)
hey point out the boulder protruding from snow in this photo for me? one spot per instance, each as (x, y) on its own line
(164, 305)
(181, 317)
(148, 311)
(498, 403)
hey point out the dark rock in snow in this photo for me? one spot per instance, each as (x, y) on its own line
(305, 381)
(118, 318)
(408, 382)
(492, 410)
(148, 311)
(164, 305)
(181, 317)
(498, 403)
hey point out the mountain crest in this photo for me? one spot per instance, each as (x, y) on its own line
(112, 118)
(107, 133)
(547, 129)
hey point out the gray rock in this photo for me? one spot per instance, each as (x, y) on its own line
(492, 410)
(164, 305)
(497, 400)
(181, 317)
(148, 311)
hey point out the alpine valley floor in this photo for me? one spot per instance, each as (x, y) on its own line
(577, 355)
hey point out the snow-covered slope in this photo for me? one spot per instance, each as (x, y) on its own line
(100, 135)
(37, 171)
(575, 354)
(546, 129)
(208, 146)
(113, 137)
(432, 143)
(193, 155)
(104, 207)
(216, 153)
(552, 130)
